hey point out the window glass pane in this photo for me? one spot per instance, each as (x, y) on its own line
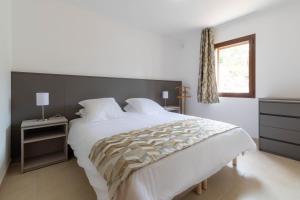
(233, 69)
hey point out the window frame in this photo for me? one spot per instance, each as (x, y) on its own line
(234, 42)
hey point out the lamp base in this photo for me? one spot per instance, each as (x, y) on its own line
(43, 114)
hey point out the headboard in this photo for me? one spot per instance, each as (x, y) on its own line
(67, 90)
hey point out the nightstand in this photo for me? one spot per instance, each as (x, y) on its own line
(175, 109)
(43, 143)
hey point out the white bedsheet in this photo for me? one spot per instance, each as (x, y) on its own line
(168, 177)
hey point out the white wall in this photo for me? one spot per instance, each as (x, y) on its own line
(5, 62)
(53, 36)
(277, 63)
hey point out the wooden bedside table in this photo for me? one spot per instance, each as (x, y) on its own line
(175, 109)
(43, 143)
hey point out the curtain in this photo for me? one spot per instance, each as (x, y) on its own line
(207, 84)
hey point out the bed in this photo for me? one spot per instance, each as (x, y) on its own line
(166, 178)
(161, 180)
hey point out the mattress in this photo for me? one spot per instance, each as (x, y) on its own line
(165, 179)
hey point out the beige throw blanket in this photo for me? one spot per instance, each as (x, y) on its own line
(117, 157)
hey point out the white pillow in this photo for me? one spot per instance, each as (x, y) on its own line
(129, 108)
(145, 106)
(101, 109)
(81, 113)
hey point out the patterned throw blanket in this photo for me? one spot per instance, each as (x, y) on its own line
(117, 157)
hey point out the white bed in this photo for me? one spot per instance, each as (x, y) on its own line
(168, 177)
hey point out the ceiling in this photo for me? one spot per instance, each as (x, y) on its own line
(174, 16)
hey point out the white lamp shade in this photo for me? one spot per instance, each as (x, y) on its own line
(165, 94)
(42, 99)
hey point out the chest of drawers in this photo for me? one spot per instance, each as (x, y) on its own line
(279, 127)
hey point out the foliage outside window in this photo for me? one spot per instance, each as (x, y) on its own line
(235, 67)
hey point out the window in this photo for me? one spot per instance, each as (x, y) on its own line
(235, 67)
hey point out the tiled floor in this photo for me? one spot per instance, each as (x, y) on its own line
(259, 176)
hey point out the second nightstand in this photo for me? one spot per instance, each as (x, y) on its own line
(43, 142)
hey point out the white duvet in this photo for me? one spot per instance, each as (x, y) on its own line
(166, 178)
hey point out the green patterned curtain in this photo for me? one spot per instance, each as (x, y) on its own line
(207, 84)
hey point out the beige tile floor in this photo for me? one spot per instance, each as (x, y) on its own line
(259, 176)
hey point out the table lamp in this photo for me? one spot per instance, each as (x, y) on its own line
(42, 99)
(165, 96)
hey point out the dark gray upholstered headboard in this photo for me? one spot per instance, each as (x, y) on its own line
(67, 90)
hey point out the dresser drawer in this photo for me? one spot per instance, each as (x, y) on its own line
(280, 122)
(280, 148)
(280, 134)
(287, 109)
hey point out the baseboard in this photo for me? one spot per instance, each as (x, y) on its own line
(3, 173)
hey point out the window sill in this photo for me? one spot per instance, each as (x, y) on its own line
(237, 95)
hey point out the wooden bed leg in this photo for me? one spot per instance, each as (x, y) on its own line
(198, 189)
(201, 187)
(234, 162)
(204, 185)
